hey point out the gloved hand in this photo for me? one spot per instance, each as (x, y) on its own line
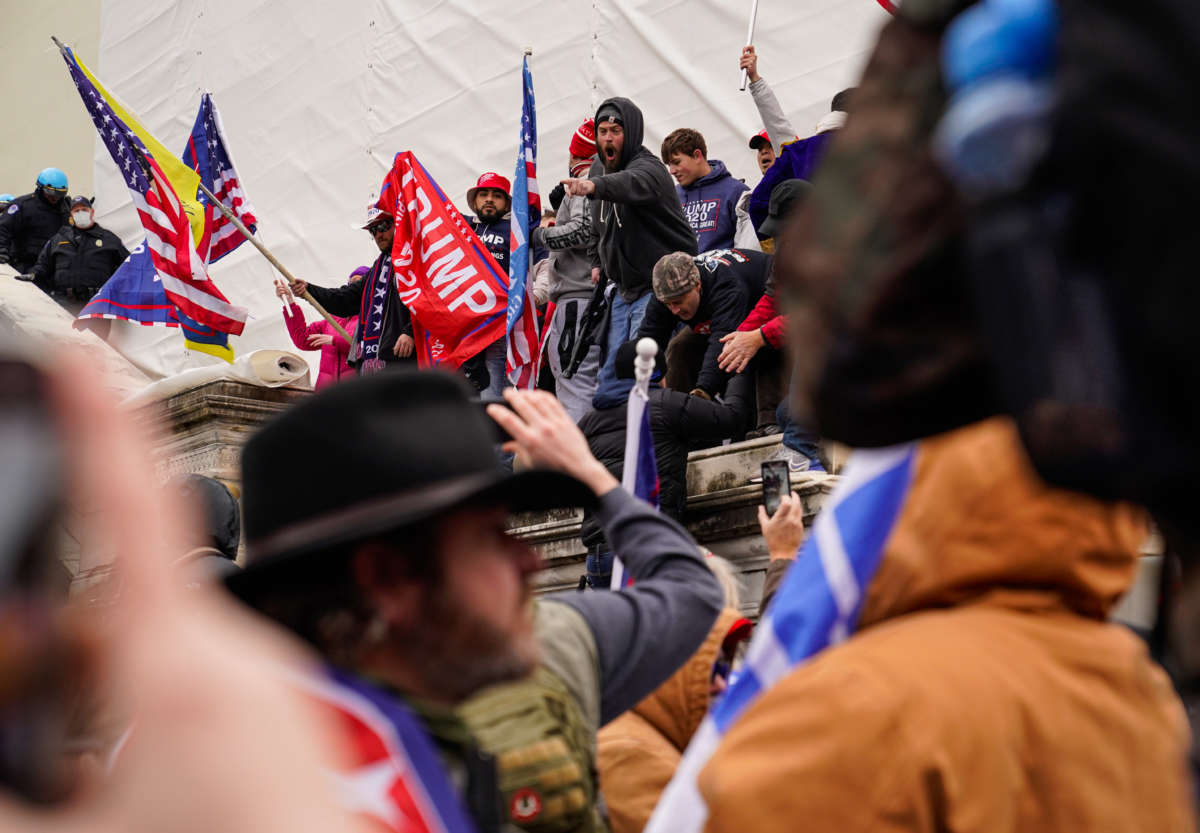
(26, 278)
(556, 195)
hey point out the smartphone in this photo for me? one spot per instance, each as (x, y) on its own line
(499, 435)
(776, 482)
(36, 699)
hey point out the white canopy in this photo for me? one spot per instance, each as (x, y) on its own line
(317, 97)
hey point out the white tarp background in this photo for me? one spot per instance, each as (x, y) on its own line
(317, 97)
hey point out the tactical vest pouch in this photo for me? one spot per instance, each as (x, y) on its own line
(544, 751)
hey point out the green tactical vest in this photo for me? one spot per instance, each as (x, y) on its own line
(545, 753)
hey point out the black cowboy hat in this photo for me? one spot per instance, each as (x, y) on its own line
(371, 456)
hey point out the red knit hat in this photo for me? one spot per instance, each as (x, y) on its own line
(583, 142)
(489, 180)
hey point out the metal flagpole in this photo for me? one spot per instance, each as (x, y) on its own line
(229, 215)
(750, 40)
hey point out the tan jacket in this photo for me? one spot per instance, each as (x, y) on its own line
(637, 753)
(984, 690)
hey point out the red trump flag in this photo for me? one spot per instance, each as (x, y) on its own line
(455, 290)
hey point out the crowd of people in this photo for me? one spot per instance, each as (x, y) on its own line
(379, 660)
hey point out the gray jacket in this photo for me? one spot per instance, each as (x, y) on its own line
(570, 268)
(635, 638)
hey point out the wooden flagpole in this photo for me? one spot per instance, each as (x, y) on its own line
(229, 215)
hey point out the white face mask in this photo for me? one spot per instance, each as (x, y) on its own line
(83, 219)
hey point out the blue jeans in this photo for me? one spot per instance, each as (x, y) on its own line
(795, 436)
(496, 358)
(624, 322)
(599, 570)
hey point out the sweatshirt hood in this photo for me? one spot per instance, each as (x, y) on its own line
(632, 121)
(718, 172)
(677, 707)
(979, 526)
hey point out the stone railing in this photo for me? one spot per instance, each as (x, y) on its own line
(203, 430)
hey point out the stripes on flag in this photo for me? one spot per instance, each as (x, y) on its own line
(208, 154)
(523, 353)
(816, 607)
(166, 220)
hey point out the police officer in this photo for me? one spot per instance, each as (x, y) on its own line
(76, 261)
(33, 219)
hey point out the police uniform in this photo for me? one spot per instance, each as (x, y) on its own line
(26, 225)
(76, 262)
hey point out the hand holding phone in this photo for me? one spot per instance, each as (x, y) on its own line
(776, 482)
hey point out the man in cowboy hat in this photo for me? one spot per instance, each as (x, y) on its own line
(402, 570)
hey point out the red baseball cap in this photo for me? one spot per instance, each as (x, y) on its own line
(489, 180)
(759, 139)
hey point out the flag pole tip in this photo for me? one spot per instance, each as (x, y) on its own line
(647, 348)
(528, 51)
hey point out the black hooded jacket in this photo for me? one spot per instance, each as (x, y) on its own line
(636, 211)
(26, 225)
(679, 423)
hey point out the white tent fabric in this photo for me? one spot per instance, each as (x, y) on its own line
(316, 98)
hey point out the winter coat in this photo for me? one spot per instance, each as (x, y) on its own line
(798, 160)
(335, 357)
(351, 299)
(678, 423)
(568, 240)
(638, 752)
(79, 260)
(984, 688)
(25, 226)
(710, 206)
(731, 282)
(637, 211)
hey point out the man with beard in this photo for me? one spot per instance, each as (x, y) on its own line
(404, 576)
(385, 332)
(491, 201)
(638, 218)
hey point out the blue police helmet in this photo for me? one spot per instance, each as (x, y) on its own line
(52, 178)
(7, 198)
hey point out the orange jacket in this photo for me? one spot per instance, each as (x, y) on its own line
(637, 753)
(983, 690)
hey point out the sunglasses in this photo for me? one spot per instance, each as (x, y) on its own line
(380, 227)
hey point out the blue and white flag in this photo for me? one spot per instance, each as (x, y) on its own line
(521, 326)
(639, 475)
(816, 607)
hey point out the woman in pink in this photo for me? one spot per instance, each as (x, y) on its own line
(320, 335)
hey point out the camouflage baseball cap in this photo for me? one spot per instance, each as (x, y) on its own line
(674, 275)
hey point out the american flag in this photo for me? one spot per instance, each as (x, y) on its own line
(523, 343)
(169, 238)
(208, 155)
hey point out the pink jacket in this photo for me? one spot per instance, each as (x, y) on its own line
(333, 356)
